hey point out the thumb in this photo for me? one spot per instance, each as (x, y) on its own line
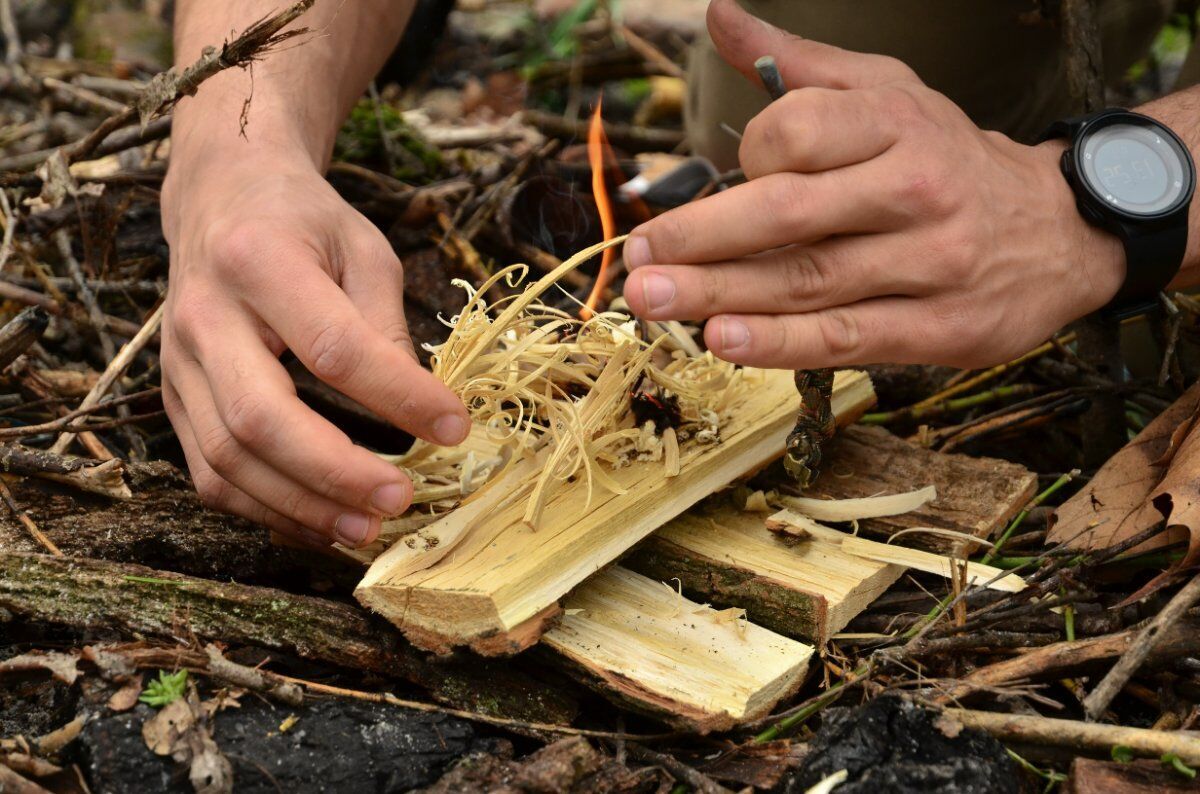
(742, 38)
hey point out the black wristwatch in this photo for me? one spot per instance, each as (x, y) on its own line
(1134, 177)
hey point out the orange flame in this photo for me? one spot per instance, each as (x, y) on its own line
(598, 150)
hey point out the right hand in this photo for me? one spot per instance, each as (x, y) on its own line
(265, 256)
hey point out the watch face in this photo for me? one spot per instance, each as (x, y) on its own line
(1137, 169)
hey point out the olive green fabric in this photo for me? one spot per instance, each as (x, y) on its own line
(992, 57)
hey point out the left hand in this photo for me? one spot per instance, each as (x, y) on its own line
(879, 225)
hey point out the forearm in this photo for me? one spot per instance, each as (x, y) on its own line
(1181, 112)
(299, 93)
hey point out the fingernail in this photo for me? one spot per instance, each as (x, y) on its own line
(390, 499)
(658, 290)
(449, 430)
(734, 334)
(351, 528)
(637, 253)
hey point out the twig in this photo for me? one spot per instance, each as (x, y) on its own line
(120, 361)
(106, 479)
(27, 522)
(696, 779)
(474, 716)
(1147, 640)
(13, 52)
(20, 332)
(1085, 736)
(252, 679)
(10, 226)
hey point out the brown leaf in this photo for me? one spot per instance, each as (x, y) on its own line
(126, 697)
(1177, 497)
(181, 731)
(1116, 504)
(164, 732)
(60, 665)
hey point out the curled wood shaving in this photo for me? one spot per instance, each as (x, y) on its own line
(537, 379)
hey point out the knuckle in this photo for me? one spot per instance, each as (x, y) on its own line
(212, 490)
(235, 245)
(333, 354)
(334, 482)
(221, 451)
(929, 192)
(785, 202)
(249, 418)
(840, 333)
(955, 251)
(895, 69)
(803, 279)
(666, 234)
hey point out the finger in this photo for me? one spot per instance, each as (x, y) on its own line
(376, 286)
(741, 39)
(784, 281)
(816, 129)
(892, 330)
(218, 494)
(320, 324)
(776, 210)
(239, 467)
(257, 403)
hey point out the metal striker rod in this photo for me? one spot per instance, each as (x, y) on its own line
(815, 422)
(768, 72)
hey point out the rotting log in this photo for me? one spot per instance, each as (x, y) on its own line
(727, 556)
(975, 496)
(498, 590)
(649, 648)
(135, 600)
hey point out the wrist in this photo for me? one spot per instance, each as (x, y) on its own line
(1094, 257)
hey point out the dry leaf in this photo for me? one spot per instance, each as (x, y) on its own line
(1177, 497)
(1116, 504)
(126, 697)
(181, 731)
(60, 665)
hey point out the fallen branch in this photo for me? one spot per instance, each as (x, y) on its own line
(1081, 736)
(1144, 644)
(106, 479)
(135, 600)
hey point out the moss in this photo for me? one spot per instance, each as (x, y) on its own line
(361, 141)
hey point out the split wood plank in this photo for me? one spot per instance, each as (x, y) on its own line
(812, 590)
(978, 575)
(975, 496)
(729, 557)
(697, 668)
(497, 591)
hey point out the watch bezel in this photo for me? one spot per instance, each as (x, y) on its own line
(1098, 202)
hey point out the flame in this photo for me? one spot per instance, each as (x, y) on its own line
(598, 151)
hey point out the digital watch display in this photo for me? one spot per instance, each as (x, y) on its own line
(1135, 178)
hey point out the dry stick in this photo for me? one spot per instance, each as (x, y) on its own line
(1147, 640)
(1081, 735)
(117, 142)
(10, 228)
(473, 716)
(20, 332)
(106, 479)
(27, 522)
(252, 679)
(120, 361)
(986, 375)
(696, 779)
(66, 421)
(137, 446)
(12, 36)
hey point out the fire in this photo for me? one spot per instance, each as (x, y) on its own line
(598, 151)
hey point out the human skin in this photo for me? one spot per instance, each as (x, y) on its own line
(265, 256)
(879, 224)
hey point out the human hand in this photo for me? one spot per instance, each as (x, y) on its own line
(265, 256)
(880, 225)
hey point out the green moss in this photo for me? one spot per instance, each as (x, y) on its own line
(361, 141)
